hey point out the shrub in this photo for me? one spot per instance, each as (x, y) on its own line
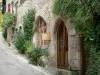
(8, 19)
(19, 42)
(28, 23)
(4, 34)
(1, 20)
(7, 22)
(29, 48)
(35, 54)
(94, 62)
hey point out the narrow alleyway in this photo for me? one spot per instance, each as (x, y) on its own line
(10, 65)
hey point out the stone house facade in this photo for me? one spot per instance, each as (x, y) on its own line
(64, 43)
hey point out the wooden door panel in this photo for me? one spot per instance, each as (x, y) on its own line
(62, 58)
(66, 59)
(62, 46)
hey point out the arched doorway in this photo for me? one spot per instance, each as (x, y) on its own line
(62, 46)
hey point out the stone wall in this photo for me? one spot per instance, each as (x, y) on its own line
(44, 9)
(9, 34)
(22, 9)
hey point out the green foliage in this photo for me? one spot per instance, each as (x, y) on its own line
(66, 7)
(94, 62)
(35, 56)
(1, 20)
(19, 42)
(8, 20)
(4, 33)
(78, 11)
(35, 53)
(85, 15)
(29, 48)
(28, 23)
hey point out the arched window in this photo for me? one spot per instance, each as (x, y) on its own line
(41, 29)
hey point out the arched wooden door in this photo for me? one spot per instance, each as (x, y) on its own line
(62, 46)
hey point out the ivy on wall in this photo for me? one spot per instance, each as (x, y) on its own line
(85, 15)
(28, 24)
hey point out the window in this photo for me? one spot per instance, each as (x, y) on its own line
(41, 29)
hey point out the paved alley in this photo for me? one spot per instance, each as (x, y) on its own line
(10, 65)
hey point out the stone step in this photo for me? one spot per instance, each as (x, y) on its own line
(64, 73)
(68, 73)
(74, 73)
(56, 71)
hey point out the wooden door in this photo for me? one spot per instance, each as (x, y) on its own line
(62, 47)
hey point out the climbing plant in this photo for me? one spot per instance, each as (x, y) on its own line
(85, 15)
(28, 23)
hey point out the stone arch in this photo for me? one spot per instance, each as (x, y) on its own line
(70, 27)
(38, 20)
(59, 22)
(74, 52)
(40, 28)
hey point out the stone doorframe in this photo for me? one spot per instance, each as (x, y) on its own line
(56, 26)
(62, 52)
(74, 52)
